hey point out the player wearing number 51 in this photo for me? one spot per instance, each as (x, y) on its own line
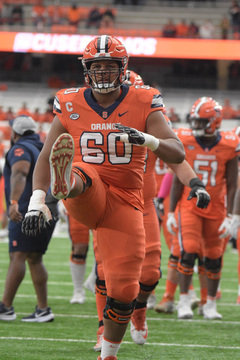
(103, 187)
(213, 154)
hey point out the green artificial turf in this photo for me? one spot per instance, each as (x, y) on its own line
(73, 333)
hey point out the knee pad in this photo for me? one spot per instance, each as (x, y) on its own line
(87, 181)
(147, 288)
(100, 287)
(112, 308)
(184, 270)
(75, 258)
(201, 266)
(201, 270)
(213, 267)
(188, 259)
(173, 261)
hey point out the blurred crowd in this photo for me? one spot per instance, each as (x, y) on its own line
(46, 117)
(105, 19)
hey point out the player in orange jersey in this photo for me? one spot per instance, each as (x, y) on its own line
(235, 222)
(97, 165)
(235, 233)
(214, 157)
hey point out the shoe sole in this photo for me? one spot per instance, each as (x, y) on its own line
(49, 318)
(212, 318)
(8, 317)
(77, 301)
(163, 310)
(185, 317)
(61, 165)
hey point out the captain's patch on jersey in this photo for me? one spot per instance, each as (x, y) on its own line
(157, 101)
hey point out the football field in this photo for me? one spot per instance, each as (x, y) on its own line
(72, 335)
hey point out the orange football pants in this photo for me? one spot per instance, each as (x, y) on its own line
(195, 231)
(150, 273)
(78, 232)
(120, 234)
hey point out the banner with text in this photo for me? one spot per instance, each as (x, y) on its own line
(136, 46)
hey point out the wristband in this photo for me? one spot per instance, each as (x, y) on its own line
(12, 202)
(38, 197)
(151, 142)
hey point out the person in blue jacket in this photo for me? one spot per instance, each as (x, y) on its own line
(18, 171)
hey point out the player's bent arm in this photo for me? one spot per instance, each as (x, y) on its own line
(231, 181)
(18, 179)
(235, 221)
(170, 148)
(236, 204)
(184, 172)
(189, 178)
(230, 223)
(176, 193)
(41, 175)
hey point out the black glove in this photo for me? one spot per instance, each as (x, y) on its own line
(51, 203)
(38, 214)
(160, 208)
(33, 223)
(199, 191)
(134, 136)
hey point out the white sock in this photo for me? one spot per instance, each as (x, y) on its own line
(184, 297)
(239, 289)
(93, 272)
(210, 300)
(109, 348)
(78, 275)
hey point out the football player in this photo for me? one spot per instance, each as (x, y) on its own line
(94, 158)
(235, 222)
(214, 157)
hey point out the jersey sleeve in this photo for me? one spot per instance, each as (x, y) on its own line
(233, 142)
(64, 98)
(18, 153)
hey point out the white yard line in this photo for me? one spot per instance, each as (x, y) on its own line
(201, 320)
(124, 342)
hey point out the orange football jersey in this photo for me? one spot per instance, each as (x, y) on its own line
(96, 139)
(149, 179)
(209, 163)
(161, 169)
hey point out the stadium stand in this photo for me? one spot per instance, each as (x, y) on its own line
(37, 95)
(145, 19)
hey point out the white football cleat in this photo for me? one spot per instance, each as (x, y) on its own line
(166, 305)
(184, 308)
(78, 298)
(98, 346)
(193, 299)
(210, 311)
(151, 301)
(89, 284)
(139, 329)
